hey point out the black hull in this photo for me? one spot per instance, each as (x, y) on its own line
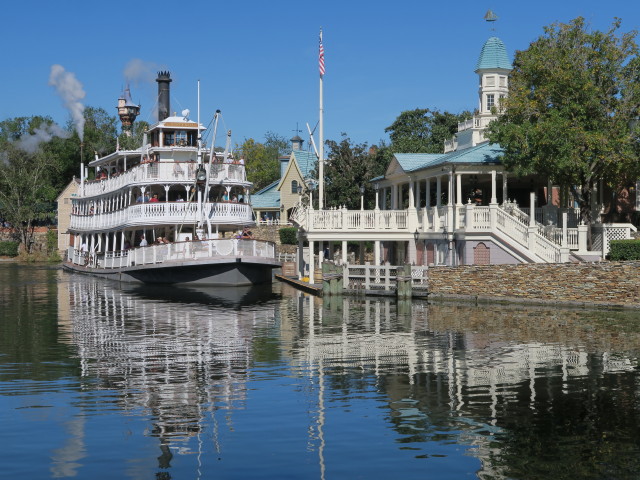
(238, 272)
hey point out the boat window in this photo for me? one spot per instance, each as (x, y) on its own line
(181, 138)
(168, 138)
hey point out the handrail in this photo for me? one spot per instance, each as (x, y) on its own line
(172, 252)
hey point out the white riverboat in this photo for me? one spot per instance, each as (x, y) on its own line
(169, 212)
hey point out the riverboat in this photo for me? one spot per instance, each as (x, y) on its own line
(169, 212)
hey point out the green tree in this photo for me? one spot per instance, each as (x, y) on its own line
(574, 96)
(423, 130)
(261, 159)
(347, 167)
(26, 175)
(134, 141)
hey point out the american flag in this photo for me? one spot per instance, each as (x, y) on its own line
(321, 56)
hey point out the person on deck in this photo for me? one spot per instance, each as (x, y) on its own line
(143, 241)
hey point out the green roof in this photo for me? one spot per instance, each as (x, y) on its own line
(268, 197)
(483, 154)
(306, 161)
(493, 55)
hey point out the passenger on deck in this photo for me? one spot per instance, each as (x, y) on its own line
(154, 199)
(143, 241)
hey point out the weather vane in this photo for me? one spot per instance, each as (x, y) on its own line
(297, 129)
(491, 17)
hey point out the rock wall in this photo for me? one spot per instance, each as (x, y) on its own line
(606, 283)
(271, 234)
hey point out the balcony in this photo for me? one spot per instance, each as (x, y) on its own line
(164, 172)
(163, 213)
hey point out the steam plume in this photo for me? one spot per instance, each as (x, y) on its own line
(139, 71)
(44, 133)
(71, 92)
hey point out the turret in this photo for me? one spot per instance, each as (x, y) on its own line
(127, 111)
(164, 102)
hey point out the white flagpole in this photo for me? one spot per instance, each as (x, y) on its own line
(321, 133)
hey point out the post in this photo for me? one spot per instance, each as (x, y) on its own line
(326, 281)
(403, 281)
(532, 211)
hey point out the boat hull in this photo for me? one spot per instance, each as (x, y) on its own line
(217, 272)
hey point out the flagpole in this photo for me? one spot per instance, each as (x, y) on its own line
(321, 132)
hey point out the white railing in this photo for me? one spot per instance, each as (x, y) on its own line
(343, 219)
(163, 213)
(380, 277)
(164, 172)
(512, 227)
(174, 252)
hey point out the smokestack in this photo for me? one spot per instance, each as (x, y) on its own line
(164, 104)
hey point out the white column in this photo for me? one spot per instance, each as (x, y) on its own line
(532, 212)
(458, 189)
(418, 193)
(344, 252)
(311, 261)
(394, 197)
(376, 252)
(439, 191)
(450, 188)
(493, 187)
(300, 258)
(411, 198)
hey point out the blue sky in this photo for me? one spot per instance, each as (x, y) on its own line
(257, 60)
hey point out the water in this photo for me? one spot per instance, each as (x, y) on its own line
(103, 381)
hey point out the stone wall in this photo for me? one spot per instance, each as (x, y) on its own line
(271, 234)
(606, 283)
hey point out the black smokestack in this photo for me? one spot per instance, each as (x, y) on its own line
(164, 103)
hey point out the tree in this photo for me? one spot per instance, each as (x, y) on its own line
(26, 174)
(347, 167)
(423, 130)
(261, 159)
(574, 98)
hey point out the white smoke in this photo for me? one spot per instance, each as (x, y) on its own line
(139, 71)
(44, 133)
(71, 92)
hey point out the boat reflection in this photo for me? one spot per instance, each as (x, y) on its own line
(224, 297)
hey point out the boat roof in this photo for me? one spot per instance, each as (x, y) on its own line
(117, 155)
(177, 122)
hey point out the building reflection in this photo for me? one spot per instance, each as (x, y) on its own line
(184, 356)
(462, 368)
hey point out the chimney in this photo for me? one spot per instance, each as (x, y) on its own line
(164, 103)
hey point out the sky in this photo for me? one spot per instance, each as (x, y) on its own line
(257, 61)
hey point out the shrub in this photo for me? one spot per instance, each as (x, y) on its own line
(9, 249)
(52, 241)
(624, 250)
(288, 236)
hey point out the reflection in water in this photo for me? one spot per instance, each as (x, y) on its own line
(502, 391)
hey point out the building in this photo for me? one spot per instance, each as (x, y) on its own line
(461, 206)
(277, 201)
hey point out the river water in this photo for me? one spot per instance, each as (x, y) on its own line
(100, 380)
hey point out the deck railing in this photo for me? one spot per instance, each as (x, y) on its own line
(173, 252)
(163, 213)
(164, 172)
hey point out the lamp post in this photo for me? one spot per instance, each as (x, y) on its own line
(361, 197)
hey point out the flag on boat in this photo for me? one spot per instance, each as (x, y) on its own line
(321, 56)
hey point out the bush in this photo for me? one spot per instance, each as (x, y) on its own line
(624, 250)
(52, 241)
(9, 249)
(288, 236)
